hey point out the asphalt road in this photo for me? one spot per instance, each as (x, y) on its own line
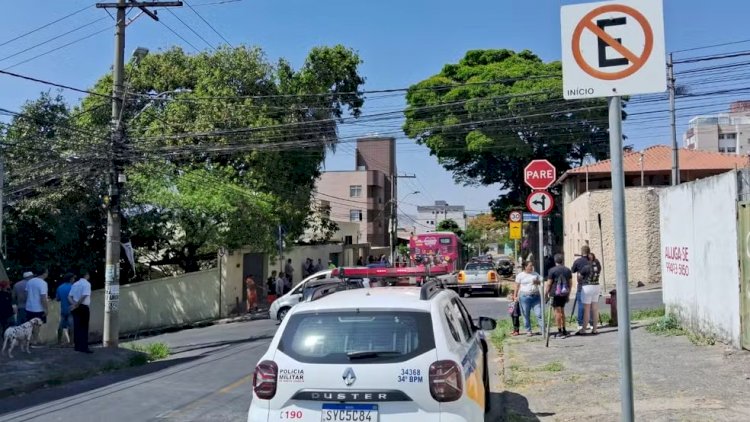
(489, 306)
(207, 378)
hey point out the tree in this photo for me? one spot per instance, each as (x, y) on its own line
(449, 225)
(487, 116)
(482, 230)
(222, 148)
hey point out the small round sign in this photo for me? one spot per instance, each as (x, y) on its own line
(540, 203)
(516, 216)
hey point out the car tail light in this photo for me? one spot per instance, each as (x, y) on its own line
(264, 379)
(491, 276)
(446, 381)
(461, 277)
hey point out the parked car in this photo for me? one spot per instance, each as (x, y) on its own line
(379, 355)
(282, 305)
(505, 266)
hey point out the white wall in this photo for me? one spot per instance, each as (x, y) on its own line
(699, 219)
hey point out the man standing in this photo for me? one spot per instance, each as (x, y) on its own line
(36, 297)
(319, 267)
(582, 267)
(280, 285)
(19, 297)
(289, 270)
(80, 300)
(559, 281)
(66, 319)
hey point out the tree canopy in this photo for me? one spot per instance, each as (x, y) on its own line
(488, 115)
(222, 147)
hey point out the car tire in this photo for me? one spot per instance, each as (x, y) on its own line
(282, 313)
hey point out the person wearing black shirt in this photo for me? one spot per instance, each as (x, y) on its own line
(559, 282)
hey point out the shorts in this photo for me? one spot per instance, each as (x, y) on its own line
(559, 301)
(66, 321)
(590, 294)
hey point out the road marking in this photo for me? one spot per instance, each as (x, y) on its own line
(236, 384)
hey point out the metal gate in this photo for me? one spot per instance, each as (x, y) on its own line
(744, 241)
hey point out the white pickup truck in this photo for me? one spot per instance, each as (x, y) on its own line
(478, 277)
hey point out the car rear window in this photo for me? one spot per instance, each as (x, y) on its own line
(349, 337)
(482, 266)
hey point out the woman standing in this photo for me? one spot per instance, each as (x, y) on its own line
(252, 294)
(527, 291)
(590, 294)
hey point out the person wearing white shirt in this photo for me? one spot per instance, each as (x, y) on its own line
(36, 297)
(80, 300)
(528, 291)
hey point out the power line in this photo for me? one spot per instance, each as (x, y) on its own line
(44, 26)
(49, 40)
(179, 36)
(191, 29)
(207, 23)
(55, 84)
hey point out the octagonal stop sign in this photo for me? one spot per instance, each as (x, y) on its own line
(539, 174)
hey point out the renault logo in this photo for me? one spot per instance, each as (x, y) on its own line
(349, 377)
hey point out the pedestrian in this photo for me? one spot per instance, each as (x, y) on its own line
(271, 282)
(559, 282)
(80, 301)
(319, 267)
(6, 306)
(528, 283)
(514, 310)
(289, 270)
(580, 267)
(252, 294)
(590, 295)
(36, 297)
(361, 261)
(307, 268)
(280, 285)
(66, 319)
(19, 297)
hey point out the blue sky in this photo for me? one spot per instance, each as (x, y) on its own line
(401, 42)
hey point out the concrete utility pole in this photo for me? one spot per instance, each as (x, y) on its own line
(394, 213)
(116, 176)
(673, 121)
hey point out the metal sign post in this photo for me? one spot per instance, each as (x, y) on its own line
(541, 273)
(621, 258)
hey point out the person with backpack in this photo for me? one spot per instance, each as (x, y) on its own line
(559, 282)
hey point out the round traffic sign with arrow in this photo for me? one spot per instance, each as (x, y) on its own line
(540, 203)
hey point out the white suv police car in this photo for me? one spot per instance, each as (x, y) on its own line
(375, 355)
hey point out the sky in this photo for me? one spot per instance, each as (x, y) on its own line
(400, 42)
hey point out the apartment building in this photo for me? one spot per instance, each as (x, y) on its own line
(362, 195)
(430, 216)
(727, 133)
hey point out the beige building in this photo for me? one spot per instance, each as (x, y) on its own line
(587, 200)
(725, 132)
(362, 195)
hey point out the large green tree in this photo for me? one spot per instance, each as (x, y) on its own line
(488, 115)
(221, 147)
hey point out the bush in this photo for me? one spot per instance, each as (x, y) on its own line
(153, 351)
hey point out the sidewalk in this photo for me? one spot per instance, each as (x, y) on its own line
(48, 366)
(577, 378)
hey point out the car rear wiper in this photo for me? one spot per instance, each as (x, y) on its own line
(365, 354)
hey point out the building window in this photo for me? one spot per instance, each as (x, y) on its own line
(355, 215)
(355, 191)
(731, 150)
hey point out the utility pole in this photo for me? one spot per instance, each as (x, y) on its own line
(673, 121)
(116, 176)
(394, 212)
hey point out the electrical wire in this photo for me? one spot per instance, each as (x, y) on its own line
(207, 23)
(197, 50)
(191, 29)
(4, 43)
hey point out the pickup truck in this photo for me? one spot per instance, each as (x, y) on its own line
(478, 277)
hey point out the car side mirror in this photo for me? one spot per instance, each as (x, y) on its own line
(487, 324)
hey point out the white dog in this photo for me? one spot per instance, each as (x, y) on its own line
(21, 336)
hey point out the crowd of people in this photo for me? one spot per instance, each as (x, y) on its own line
(532, 291)
(29, 298)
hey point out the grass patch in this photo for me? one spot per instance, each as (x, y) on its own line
(667, 325)
(553, 367)
(501, 332)
(699, 339)
(150, 352)
(642, 314)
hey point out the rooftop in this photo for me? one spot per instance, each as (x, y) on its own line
(658, 158)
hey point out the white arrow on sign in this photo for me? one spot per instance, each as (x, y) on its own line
(540, 203)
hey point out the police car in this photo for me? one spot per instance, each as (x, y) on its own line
(375, 355)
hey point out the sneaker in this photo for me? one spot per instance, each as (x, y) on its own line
(580, 328)
(515, 333)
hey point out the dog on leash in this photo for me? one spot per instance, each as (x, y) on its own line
(20, 336)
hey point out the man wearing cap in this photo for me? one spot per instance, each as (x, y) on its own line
(36, 297)
(19, 297)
